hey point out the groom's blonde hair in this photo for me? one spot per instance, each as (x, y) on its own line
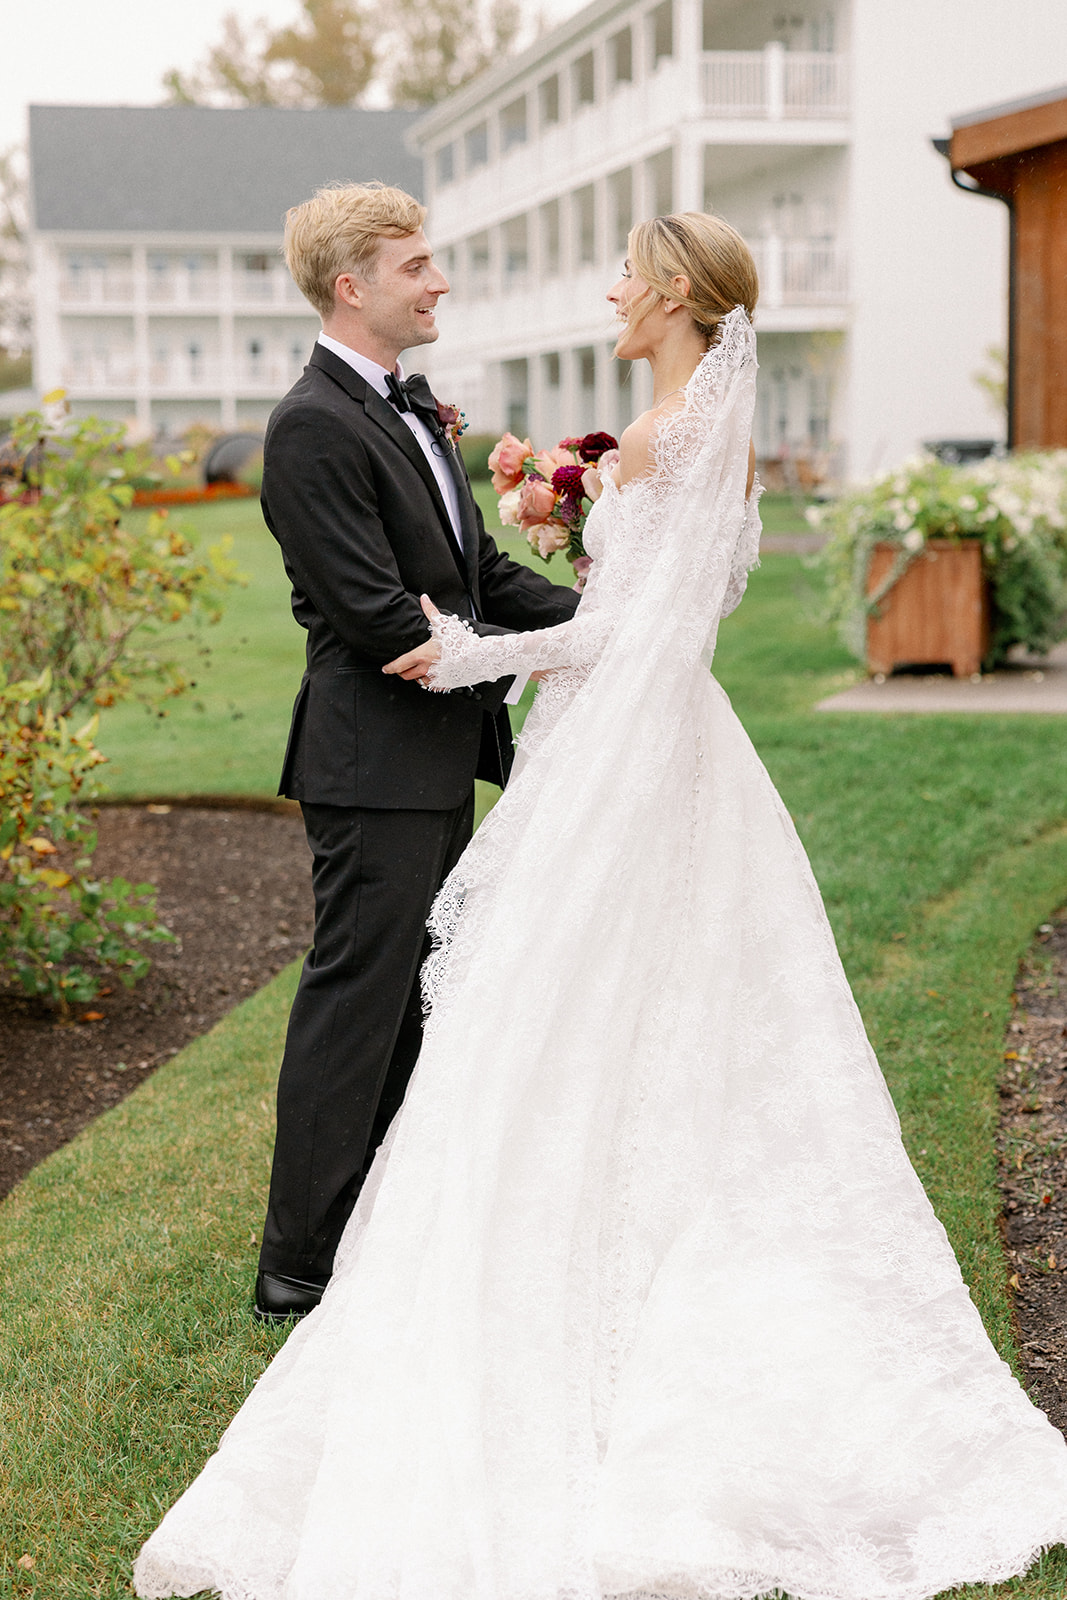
(339, 230)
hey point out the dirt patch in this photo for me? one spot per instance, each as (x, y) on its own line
(235, 887)
(1033, 1166)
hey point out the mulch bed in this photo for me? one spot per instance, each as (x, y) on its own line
(235, 887)
(1033, 1166)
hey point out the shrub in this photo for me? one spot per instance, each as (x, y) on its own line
(84, 597)
(61, 928)
(475, 449)
(1016, 506)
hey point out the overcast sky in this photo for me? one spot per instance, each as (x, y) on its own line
(115, 52)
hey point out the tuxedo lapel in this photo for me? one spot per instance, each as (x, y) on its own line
(385, 416)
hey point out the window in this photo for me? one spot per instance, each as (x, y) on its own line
(515, 248)
(444, 164)
(550, 371)
(513, 124)
(586, 363)
(478, 263)
(516, 396)
(255, 358)
(548, 100)
(621, 56)
(257, 263)
(660, 170)
(584, 203)
(550, 248)
(195, 352)
(620, 209)
(583, 79)
(661, 32)
(476, 146)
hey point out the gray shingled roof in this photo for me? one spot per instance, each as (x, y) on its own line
(194, 169)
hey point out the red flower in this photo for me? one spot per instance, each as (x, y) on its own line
(568, 480)
(592, 447)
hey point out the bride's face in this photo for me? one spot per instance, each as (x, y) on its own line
(633, 342)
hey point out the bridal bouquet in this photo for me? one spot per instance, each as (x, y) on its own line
(545, 492)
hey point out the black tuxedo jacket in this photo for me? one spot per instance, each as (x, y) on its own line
(351, 499)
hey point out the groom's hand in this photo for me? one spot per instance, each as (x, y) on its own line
(415, 664)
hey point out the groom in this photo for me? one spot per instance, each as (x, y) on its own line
(372, 507)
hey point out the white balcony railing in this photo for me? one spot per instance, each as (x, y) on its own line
(266, 288)
(800, 272)
(184, 374)
(100, 372)
(272, 375)
(774, 84)
(96, 288)
(192, 288)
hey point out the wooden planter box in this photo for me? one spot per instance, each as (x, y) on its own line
(937, 614)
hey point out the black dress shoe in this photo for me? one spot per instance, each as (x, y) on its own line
(280, 1298)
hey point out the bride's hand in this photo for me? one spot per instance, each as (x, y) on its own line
(593, 477)
(415, 664)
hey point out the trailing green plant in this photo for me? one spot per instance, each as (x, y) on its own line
(61, 927)
(1016, 507)
(84, 601)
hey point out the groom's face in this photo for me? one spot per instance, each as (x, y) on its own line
(399, 298)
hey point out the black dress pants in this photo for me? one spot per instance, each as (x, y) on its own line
(355, 1029)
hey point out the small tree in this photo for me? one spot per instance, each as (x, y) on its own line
(84, 597)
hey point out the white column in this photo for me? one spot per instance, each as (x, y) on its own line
(688, 171)
(228, 381)
(605, 382)
(142, 355)
(48, 350)
(774, 57)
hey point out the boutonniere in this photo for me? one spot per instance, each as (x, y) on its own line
(453, 421)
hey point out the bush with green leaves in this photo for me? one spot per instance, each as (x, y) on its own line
(1016, 506)
(61, 927)
(86, 596)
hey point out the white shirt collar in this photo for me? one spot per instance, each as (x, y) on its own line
(368, 369)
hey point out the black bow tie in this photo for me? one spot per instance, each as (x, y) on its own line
(413, 394)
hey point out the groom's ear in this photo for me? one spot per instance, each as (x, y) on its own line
(348, 290)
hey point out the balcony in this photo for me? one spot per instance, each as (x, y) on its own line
(96, 289)
(774, 84)
(101, 372)
(184, 374)
(800, 272)
(266, 288)
(183, 289)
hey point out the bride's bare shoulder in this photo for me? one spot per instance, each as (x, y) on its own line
(637, 446)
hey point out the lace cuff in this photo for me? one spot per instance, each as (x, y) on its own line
(467, 658)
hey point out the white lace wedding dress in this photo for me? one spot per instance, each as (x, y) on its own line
(643, 1298)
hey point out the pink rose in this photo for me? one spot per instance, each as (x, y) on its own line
(537, 501)
(508, 508)
(548, 537)
(505, 462)
(547, 461)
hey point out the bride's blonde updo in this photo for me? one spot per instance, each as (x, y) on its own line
(704, 249)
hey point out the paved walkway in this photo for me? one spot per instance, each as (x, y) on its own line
(1028, 685)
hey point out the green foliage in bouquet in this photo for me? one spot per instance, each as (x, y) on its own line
(83, 599)
(1016, 506)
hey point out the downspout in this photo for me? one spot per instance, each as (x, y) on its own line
(942, 146)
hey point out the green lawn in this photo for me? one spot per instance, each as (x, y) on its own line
(939, 843)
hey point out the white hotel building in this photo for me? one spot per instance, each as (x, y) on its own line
(805, 124)
(160, 290)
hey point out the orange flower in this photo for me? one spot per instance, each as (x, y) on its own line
(505, 462)
(537, 501)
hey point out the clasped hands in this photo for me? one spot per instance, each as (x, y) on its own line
(414, 665)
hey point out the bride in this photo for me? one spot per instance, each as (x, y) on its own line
(642, 1297)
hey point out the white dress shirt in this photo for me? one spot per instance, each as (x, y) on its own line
(376, 376)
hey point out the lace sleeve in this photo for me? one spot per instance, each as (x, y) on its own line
(746, 552)
(467, 658)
